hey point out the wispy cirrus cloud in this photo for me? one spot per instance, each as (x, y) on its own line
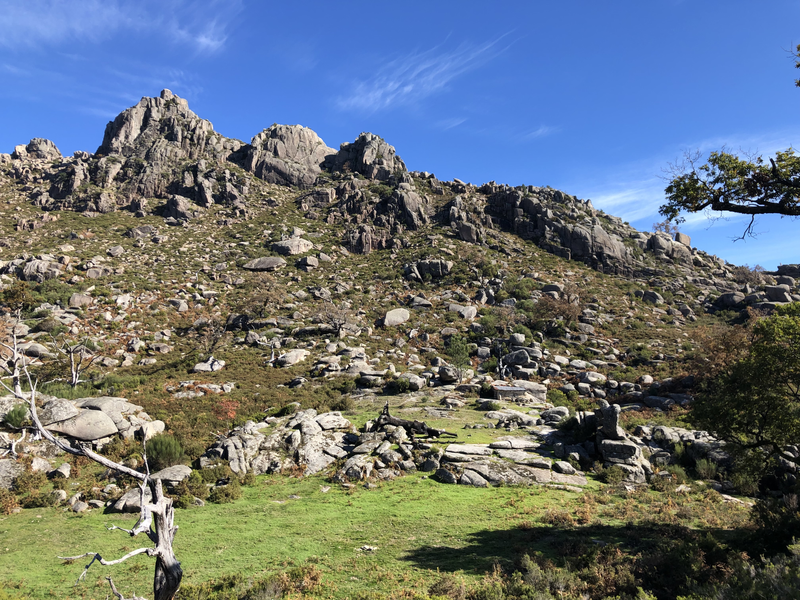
(411, 78)
(36, 22)
(202, 26)
(450, 123)
(539, 132)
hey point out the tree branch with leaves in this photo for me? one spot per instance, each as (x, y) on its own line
(748, 185)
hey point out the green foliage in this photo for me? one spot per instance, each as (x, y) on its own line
(458, 351)
(613, 475)
(214, 474)
(705, 469)
(224, 494)
(29, 481)
(17, 416)
(399, 385)
(524, 331)
(163, 450)
(557, 398)
(18, 297)
(754, 403)
(729, 183)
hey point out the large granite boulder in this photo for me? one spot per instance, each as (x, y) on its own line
(265, 263)
(292, 246)
(37, 148)
(287, 155)
(87, 425)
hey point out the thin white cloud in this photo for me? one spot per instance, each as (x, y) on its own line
(411, 78)
(446, 124)
(202, 26)
(36, 22)
(541, 131)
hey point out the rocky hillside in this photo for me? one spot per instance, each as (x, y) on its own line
(215, 282)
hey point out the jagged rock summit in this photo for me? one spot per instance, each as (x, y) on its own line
(159, 157)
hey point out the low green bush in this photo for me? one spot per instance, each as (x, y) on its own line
(398, 386)
(705, 469)
(17, 416)
(613, 475)
(224, 494)
(163, 451)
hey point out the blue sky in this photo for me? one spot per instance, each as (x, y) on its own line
(594, 98)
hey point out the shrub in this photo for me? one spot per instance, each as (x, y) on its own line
(345, 385)
(16, 416)
(613, 475)
(449, 587)
(678, 473)
(163, 451)
(556, 397)
(214, 474)
(705, 469)
(558, 517)
(343, 403)
(29, 481)
(487, 391)
(39, 499)
(398, 386)
(8, 502)
(225, 494)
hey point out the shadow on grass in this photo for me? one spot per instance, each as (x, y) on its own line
(667, 560)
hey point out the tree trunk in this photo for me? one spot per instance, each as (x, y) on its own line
(168, 572)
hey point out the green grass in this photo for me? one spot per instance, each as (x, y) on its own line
(418, 526)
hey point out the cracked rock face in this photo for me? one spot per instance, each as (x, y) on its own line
(287, 155)
(369, 155)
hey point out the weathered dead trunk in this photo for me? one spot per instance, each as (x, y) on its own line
(168, 572)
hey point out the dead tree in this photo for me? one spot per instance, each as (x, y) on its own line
(156, 516)
(79, 357)
(413, 428)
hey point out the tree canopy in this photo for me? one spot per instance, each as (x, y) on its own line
(726, 182)
(754, 403)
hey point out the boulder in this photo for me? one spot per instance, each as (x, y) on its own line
(395, 317)
(209, 366)
(10, 469)
(287, 155)
(465, 312)
(448, 374)
(369, 155)
(57, 410)
(333, 420)
(292, 246)
(87, 425)
(172, 475)
(265, 263)
(78, 300)
(292, 357)
(684, 239)
(37, 148)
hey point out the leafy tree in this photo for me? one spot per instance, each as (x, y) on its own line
(458, 351)
(726, 182)
(753, 403)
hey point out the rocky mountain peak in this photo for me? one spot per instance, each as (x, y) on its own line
(287, 155)
(37, 148)
(163, 128)
(370, 155)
